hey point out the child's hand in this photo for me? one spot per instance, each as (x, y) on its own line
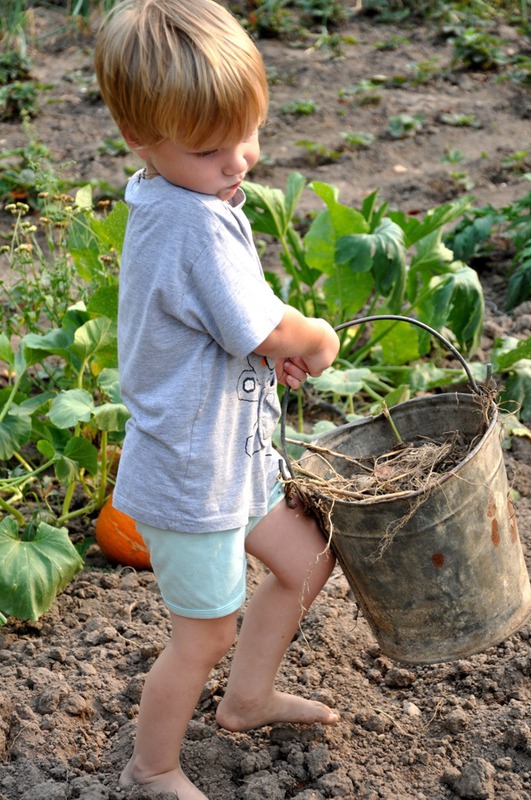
(291, 372)
(309, 344)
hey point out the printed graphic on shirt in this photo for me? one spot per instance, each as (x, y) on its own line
(257, 385)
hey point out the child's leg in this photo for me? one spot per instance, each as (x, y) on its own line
(170, 695)
(291, 545)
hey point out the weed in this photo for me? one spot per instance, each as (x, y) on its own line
(18, 99)
(473, 235)
(280, 17)
(266, 18)
(517, 162)
(400, 10)
(12, 22)
(23, 170)
(394, 42)
(323, 12)
(355, 140)
(462, 180)
(300, 108)
(460, 120)
(319, 153)
(475, 49)
(365, 92)
(18, 93)
(453, 156)
(113, 147)
(422, 72)
(403, 126)
(14, 67)
(520, 70)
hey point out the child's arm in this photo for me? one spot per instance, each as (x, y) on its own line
(310, 344)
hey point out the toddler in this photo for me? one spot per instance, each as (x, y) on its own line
(202, 341)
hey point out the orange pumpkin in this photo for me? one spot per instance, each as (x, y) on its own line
(119, 539)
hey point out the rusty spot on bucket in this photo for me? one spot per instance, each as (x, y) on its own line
(437, 560)
(495, 533)
(512, 522)
(491, 505)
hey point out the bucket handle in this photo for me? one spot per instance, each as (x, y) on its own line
(360, 321)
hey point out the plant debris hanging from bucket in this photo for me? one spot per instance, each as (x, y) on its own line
(407, 468)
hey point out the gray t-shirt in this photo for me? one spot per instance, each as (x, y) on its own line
(194, 305)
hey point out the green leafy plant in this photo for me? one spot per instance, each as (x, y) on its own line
(422, 72)
(14, 66)
(520, 70)
(403, 126)
(113, 147)
(61, 257)
(23, 171)
(36, 566)
(355, 140)
(472, 237)
(461, 120)
(12, 23)
(518, 161)
(374, 260)
(300, 108)
(365, 92)
(460, 177)
(18, 98)
(63, 426)
(18, 92)
(318, 153)
(512, 357)
(476, 49)
(399, 10)
(322, 12)
(61, 415)
(299, 17)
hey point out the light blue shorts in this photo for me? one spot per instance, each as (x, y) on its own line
(202, 575)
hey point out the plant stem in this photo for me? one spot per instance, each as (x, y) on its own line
(11, 398)
(100, 494)
(79, 512)
(387, 415)
(9, 509)
(21, 460)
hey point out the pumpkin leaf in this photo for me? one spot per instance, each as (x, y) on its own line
(70, 407)
(35, 567)
(15, 431)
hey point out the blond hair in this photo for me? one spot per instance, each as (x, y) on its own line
(180, 70)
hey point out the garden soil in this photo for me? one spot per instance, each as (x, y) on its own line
(71, 682)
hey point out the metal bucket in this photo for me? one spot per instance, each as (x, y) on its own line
(451, 580)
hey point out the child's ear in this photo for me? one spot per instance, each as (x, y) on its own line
(131, 139)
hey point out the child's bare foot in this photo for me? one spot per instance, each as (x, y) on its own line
(174, 782)
(282, 707)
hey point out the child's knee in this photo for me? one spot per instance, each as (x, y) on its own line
(224, 638)
(204, 639)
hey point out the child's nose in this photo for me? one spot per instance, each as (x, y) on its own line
(235, 162)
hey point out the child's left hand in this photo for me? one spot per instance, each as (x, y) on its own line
(291, 372)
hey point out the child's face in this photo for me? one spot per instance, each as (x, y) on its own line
(217, 172)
